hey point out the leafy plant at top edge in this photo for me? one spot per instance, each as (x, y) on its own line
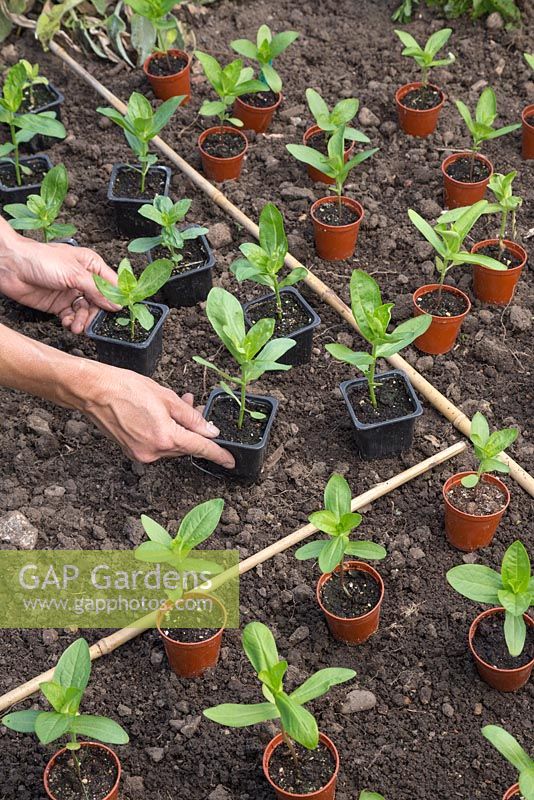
(425, 57)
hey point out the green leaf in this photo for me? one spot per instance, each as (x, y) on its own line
(54, 693)
(369, 551)
(74, 666)
(332, 555)
(307, 155)
(245, 48)
(225, 314)
(234, 715)
(298, 723)
(320, 683)
(153, 552)
(155, 532)
(310, 550)
(428, 232)
(112, 293)
(365, 795)
(480, 431)
(281, 41)
(437, 41)
(100, 728)
(324, 521)
(199, 523)
(476, 582)
(260, 646)
(526, 783)
(21, 721)
(165, 112)
(143, 315)
(516, 603)
(257, 337)
(515, 568)
(317, 106)
(507, 746)
(470, 481)
(500, 440)
(337, 496)
(486, 109)
(54, 188)
(50, 726)
(350, 521)
(515, 633)
(272, 234)
(153, 278)
(341, 352)
(274, 81)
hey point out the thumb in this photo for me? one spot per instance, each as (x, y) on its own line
(189, 417)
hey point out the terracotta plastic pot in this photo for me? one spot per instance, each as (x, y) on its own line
(253, 118)
(493, 285)
(222, 169)
(113, 794)
(314, 174)
(165, 86)
(336, 242)
(413, 121)
(527, 133)
(327, 792)
(512, 792)
(458, 194)
(505, 680)
(442, 332)
(352, 630)
(470, 532)
(191, 659)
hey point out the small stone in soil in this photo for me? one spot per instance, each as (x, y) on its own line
(422, 99)
(505, 256)
(194, 256)
(468, 170)
(490, 644)
(485, 498)
(260, 99)
(99, 774)
(224, 414)
(223, 145)
(38, 167)
(393, 401)
(313, 770)
(449, 305)
(363, 594)
(128, 184)
(109, 326)
(294, 317)
(166, 64)
(333, 214)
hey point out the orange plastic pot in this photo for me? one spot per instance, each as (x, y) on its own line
(512, 792)
(253, 118)
(327, 792)
(527, 137)
(336, 242)
(191, 659)
(442, 332)
(112, 795)
(314, 174)
(413, 121)
(165, 86)
(352, 630)
(493, 285)
(470, 532)
(505, 680)
(457, 193)
(222, 169)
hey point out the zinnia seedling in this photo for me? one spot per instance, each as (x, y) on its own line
(264, 52)
(263, 262)
(167, 215)
(425, 57)
(297, 724)
(131, 291)
(512, 588)
(23, 127)
(229, 82)
(32, 79)
(509, 747)
(342, 113)
(140, 125)
(373, 318)
(253, 351)
(156, 27)
(366, 795)
(40, 211)
(487, 447)
(529, 58)
(65, 693)
(338, 521)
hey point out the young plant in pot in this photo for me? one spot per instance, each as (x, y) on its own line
(383, 408)
(133, 341)
(501, 639)
(326, 124)
(419, 103)
(81, 769)
(509, 747)
(193, 649)
(223, 148)
(466, 174)
(22, 176)
(476, 501)
(166, 67)
(131, 185)
(39, 96)
(349, 593)
(527, 120)
(256, 110)
(41, 211)
(447, 306)
(262, 263)
(187, 248)
(245, 420)
(336, 220)
(299, 762)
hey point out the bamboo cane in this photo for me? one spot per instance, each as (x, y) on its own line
(115, 640)
(460, 421)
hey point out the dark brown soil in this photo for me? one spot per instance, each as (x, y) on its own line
(261, 99)
(110, 327)
(393, 401)
(98, 770)
(294, 316)
(504, 255)
(530, 120)
(8, 177)
(194, 255)
(485, 498)
(313, 771)
(128, 184)
(363, 594)
(319, 142)
(333, 214)
(223, 145)
(42, 96)
(450, 305)
(467, 170)
(189, 635)
(163, 65)
(421, 99)
(490, 644)
(224, 414)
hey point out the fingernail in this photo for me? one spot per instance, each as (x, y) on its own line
(212, 429)
(229, 464)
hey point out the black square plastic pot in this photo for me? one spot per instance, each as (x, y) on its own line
(302, 351)
(249, 458)
(19, 194)
(191, 287)
(129, 222)
(388, 438)
(141, 357)
(40, 142)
